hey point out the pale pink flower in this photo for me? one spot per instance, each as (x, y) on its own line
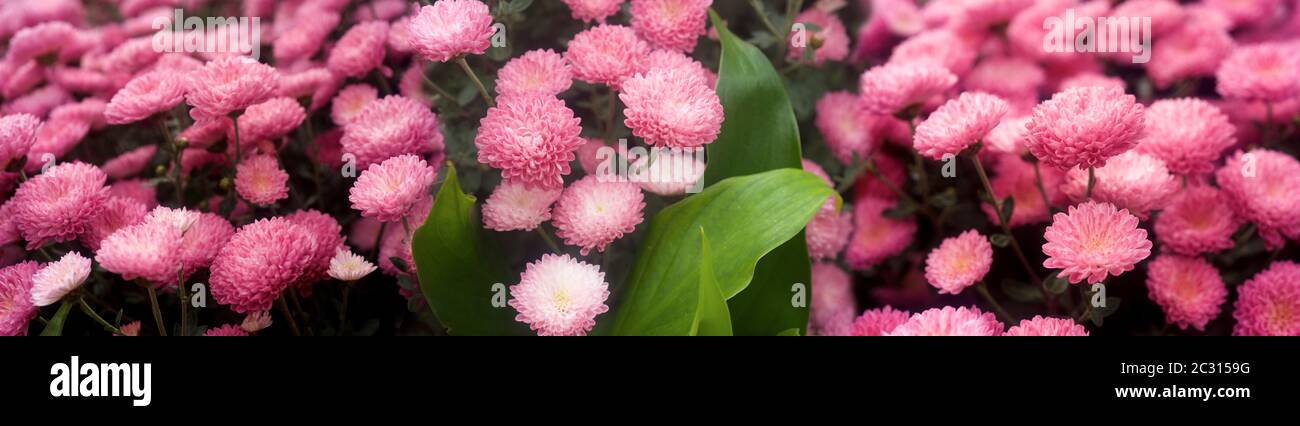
(538, 72)
(673, 59)
(1188, 289)
(833, 306)
(846, 125)
(261, 181)
(1262, 73)
(16, 308)
(360, 50)
(59, 204)
(1134, 181)
(831, 41)
(347, 266)
(269, 120)
(47, 43)
(57, 279)
(879, 322)
(1195, 50)
(229, 85)
(387, 191)
(959, 262)
(1189, 135)
(672, 108)
(670, 24)
(148, 250)
(1263, 186)
(591, 214)
(876, 237)
(327, 236)
(949, 321)
(516, 207)
(350, 101)
(892, 88)
(1009, 77)
(1047, 326)
(388, 127)
(593, 10)
(607, 54)
(1198, 221)
(940, 47)
(560, 296)
(17, 134)
(451, 28)
(530, 138)
(1268, 304)
(958, 124)
(228, 330)
(130, 329)
(1083, 127)
(1094, 240)
(305, 37)
(256, 321)
(668, 172)
(119, 212)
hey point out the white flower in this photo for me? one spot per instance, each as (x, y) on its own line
(59, 278)
(348, 266)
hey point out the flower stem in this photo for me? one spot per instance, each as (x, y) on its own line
(1006, 228)
(1092, 181)
(91, 313)
(288, 316)
(612, 115)
(988, 297)
(482, 90)
(157, 313)
(1038, 181)
(185, 302)
(343, 308)
(549, 240)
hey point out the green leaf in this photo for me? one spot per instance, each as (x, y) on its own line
(1000, 240)
(1055, 284)
(760, 133)
(789, 332)
(1021, 291)
(55, 326)
(457, 268)
(662, 295)
(1008, 207)
(712, 317)
(1099, 315)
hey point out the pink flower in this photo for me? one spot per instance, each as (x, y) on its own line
(388, 191)
(1188, 134)
(259, 262)
(831, 41)
(129, 57)
(670, 24)
(313, 87)
(89, 110)
(56, 138)
(269, 120)
(261, 181)
(1269, 303)
(350, 101)
(229, 85)
(1244, 12)
(451, 28)
(958, 124)
(868, 186)
(879, 322)
(833, 304)
(560, 296)
(1198, 221)
(389, 127)
(148, 250)
(1008, 137)
(846, 125)
(949, 321)
(959, 262)
(1015, 178)
(57, 279)
(674, 59)
(1195, 50)
(130, 163)
(119, 212)
(593, 10)
(530, 138)
(590, 214)
(39, 102)
(667, 172)
(607, 54)
(144, 96)
(228, 330)
(876, 237)
(829, 230)
(1263, 186)
(304, 38)
(17, 134)
(1262, 73)
(347, 266)
(1083, 127)
(892, 88)
(16, 308)
(538, 72)
(59, 204)
(516, 207)
(327, 236)
(672, 108)
(1137, 182)
(1094, 240)
(130, 329)
(1188, 289)
(360, 50)
(205, 132)
(937, 47)
(1008, 77)
(1047, 326)
(202, 240)
(411, 84)
(135, 189)
(47, 43)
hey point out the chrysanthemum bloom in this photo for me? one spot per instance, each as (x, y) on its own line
(593, 10)
(674, 59)
(202, 240)
(1187, 134)
(830, 41)
(313, 87)
(1269, 303)
(958, 124)
(959, 262)
(39, 102)
(1009, 77)
(228, 85)
(255, 322)
(981, 14)
(16, 308)
(949, 321)
(56, 139)
(895, 87)
(1263, 186)
(350, 101)
(17, 134)
(1094, 240)
(451, 28)
(45, 43)
(868, 186)
(411, 85)
(833, 305)
(305, 37)
(672, 108)
(829, 230)
(1165, 15)
(130, 163)
(205, 132)
(57, 279)
(879, 322)
(269, 120)
(668, 172)
(1260, 73)
(360, 50)
(516, 207)
(1008, 137)
(1047, 326)
(389, 127)
(1085, 126)
(259, 262)
(530, 138)
(876, 237)
(388, 191)
(560, 296)
(228, 330)
(1134, 181)
(1188, 289)
(845, 124)
(942, 47)
(135, 189)
(261, 181)
(607, 54)
(590, 214)
(149, 250)
(21, 78)
(538, 72)
(670, 24)
(347, 266)
(144, 96)
(118, 212)
(130, 329)
(1195, 50)
(59, 204)
(1198, 221)
(90, 110)
(82, 81)
(1245, 12)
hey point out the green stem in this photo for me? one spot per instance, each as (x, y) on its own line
(1042, 191)
(157, 313)
(1006, 228)
(91, 313)
(185, 302)
(482, 90)
(546, 236)
(762, 17)
(288, 316)
(984, 292)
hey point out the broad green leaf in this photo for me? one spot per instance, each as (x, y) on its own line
(55, 326)
(456, 267)
(712, 319)
(746, 218)
(760, 133)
